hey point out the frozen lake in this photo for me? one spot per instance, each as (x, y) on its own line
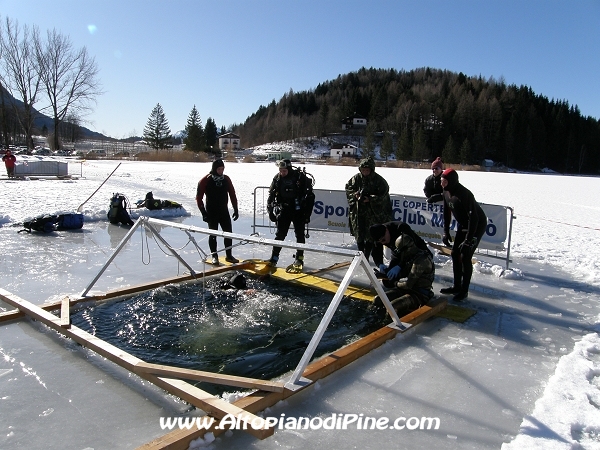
(481, 378)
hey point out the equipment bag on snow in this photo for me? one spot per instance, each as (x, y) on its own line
(44, 224)
(151, 202)
(70, 221)
(117, 211)
(170, 204)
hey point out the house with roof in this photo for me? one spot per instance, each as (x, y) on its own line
(339, 151)
(229, 141)
(353, 122)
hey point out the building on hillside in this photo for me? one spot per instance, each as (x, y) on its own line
(229, 141)
(277, 155)
(353, 122)
(339, 151)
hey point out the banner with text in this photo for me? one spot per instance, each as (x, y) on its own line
(331, 210)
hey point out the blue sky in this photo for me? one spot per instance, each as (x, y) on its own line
(228, 57)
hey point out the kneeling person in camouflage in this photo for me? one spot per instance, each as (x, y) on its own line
(411, 270)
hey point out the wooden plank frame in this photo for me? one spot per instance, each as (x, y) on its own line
(358, 261)
(321, 368)
(171, 378)
(165, 377)
(197, 397)
(124, 292)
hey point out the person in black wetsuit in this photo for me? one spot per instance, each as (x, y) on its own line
(290, 201)
(217, 188)
(471, 224)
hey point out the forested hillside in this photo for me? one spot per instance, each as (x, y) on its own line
(424, 113)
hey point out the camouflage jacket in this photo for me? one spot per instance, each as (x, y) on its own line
(416, 266)
(364, 214)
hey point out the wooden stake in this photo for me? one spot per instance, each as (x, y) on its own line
(65, 319)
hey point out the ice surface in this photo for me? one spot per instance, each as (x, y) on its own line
(521, 373)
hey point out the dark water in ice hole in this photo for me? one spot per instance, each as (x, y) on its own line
(260, 334)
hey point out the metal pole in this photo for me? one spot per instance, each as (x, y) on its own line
(114, 254)
(398, 324)
(295, 382)
(173, 252)
(81, 206)
(509, 236)
(314, 342)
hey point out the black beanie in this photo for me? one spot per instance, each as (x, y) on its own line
(377, 231)
(216, 164)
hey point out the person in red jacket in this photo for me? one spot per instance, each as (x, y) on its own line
(9, 161)
(217, 188)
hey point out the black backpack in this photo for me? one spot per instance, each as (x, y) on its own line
(44, 224)
(117, 211)
(305, 183)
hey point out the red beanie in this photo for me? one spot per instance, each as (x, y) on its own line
(451, 176)
(437, 163)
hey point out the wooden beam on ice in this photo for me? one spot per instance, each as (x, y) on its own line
(260, 400)
(214, 406)
(215, 378)
(130, 290)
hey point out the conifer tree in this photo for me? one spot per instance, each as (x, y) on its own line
(420, 150)
(387, 145)
(403, 150)
(465, 152)
(369, 144)
(449, 151)
(323, 117)
(157, 133)
(194, 140)
(210, 131)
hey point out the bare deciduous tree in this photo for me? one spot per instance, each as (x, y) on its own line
(69, 78)
(19, 73)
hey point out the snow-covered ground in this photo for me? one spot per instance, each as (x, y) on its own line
(557, 225)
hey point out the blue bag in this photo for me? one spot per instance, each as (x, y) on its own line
(71, 221)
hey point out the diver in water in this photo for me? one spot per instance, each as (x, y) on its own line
(237, 283)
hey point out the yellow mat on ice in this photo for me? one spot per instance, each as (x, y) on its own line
(311, 280)
(456, 313)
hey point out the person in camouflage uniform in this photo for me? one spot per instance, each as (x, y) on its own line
(369, 201)
(411, 262)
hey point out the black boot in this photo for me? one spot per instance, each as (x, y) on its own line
(461, 296)
(231, 259)
(450, 290)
